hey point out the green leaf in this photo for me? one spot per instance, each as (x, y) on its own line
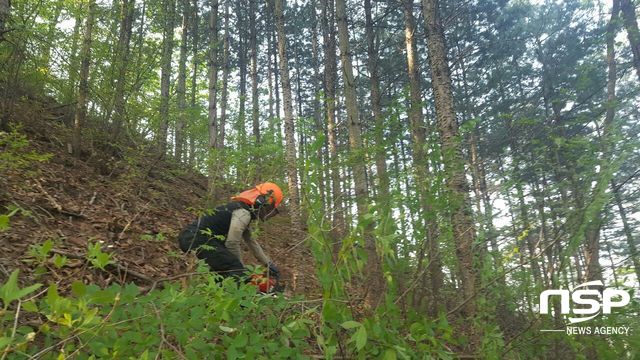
(360, 337)
(4, 341)
(10, 290)
(350, 324)
(241, 340)
(78, 288)
(30, 306)
(4, 222)
(389, 354)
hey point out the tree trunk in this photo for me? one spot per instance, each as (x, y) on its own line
(378, 119)
(83, 90)
(418, 130)
(242, 65)
(225, 79)
(253, 48)
(126, 29)
(633, 251)
(456, 183)
(592, 232)
(182, 83)
(633, 34)
(289, 128)
(5, 12)
(374, 266)
(270, 68)
(317, 107)
(194, 74)
(329, 38)
(213, 76)
(165, 76)
(213, 93)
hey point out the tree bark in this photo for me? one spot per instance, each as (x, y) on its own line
(83, 90)
(5, 12)
(418, 132)
(242, 65)
(194, 73)
(592, 232)
(289, 127)
(633, 34)
(165, 76)
(213, 75)
(225, 80)
(126, 30)
(255, 111)
(631, 245)
(329, 41)
(378, 119)
(374, 266)
(182, 83)
(213, 94)
(456, 183)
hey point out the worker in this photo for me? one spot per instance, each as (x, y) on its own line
(223, 230)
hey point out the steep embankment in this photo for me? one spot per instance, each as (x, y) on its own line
(121, 196)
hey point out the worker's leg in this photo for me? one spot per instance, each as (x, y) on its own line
(190, 238)
(222, 261)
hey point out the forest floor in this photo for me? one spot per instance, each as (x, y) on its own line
(122, 196)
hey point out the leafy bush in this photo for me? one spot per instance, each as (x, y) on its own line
(14, 153)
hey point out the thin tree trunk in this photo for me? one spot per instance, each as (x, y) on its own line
(317, 108)
(5, 12)
(270, 68)
(213, 80)
(194, 74)
(328, 34)
(290, 146)
(126, 30)
(456, 183)
(592, 232)
(83, 90)
(225, 79)
(633, 34)
(213, 99)
(165, 76)
(242, 65)
(374, 266)
(418, 129)
(378, 119)
(631, 245)
(253, 48)
(182, 83)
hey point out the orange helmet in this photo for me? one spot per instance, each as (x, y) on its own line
(270, 190)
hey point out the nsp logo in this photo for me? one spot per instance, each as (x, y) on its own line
(588, 297)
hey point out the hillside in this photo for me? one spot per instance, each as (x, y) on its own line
(131, 203)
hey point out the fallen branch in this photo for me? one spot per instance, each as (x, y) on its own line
(55, 204)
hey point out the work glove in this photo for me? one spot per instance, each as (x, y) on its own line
(273, 269)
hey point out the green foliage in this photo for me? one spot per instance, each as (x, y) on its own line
(159, 237)
(5, 219)
(15, 153)
(10, 291)
(98, 258)
(211, 318)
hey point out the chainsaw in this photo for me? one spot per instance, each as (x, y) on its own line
(267, 283)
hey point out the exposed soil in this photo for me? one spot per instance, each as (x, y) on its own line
(122, 196)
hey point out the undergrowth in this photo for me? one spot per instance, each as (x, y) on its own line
(209, 319)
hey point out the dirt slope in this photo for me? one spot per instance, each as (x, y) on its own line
(123, 197)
